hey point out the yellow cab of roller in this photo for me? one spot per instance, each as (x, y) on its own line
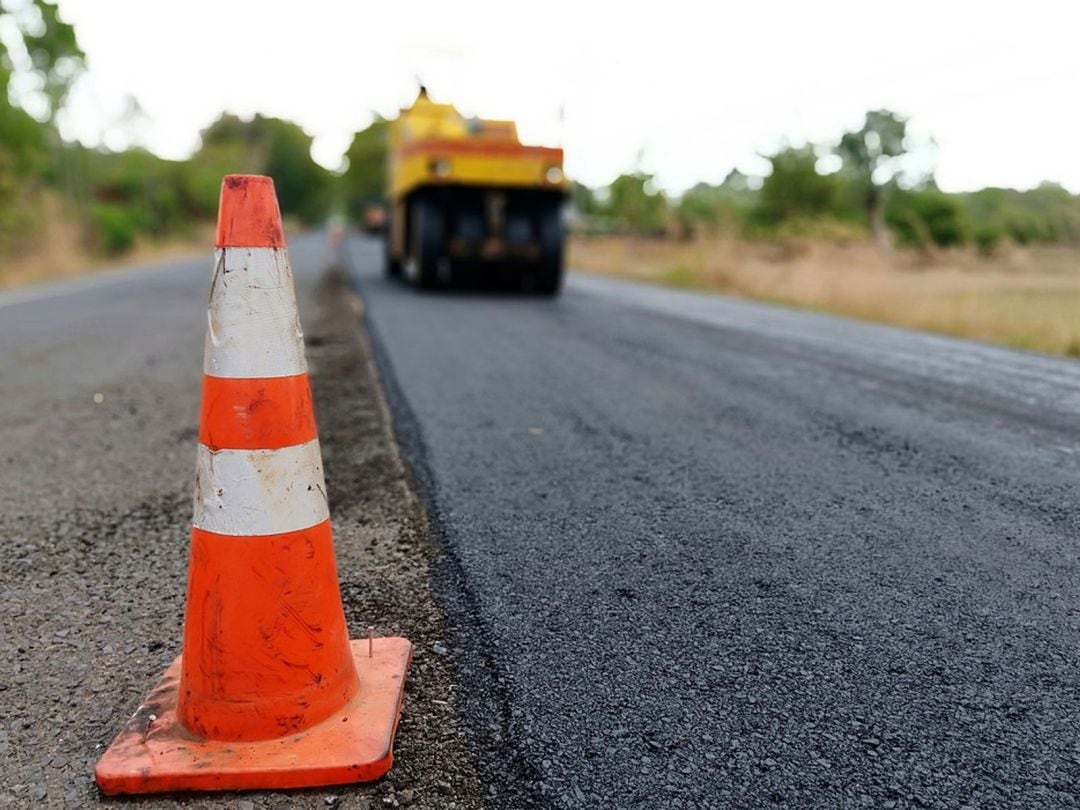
(467, 198)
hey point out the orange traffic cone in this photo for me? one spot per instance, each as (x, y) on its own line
(269, 691)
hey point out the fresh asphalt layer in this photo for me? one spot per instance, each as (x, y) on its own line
(700, 552)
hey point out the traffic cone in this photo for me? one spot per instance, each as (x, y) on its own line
(269, 691)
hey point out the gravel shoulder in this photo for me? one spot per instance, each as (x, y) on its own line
(94, 514)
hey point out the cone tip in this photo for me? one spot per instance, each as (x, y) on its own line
(248, 214)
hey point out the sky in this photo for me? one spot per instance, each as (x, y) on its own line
(684, 90)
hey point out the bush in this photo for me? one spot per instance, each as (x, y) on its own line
(115, 227)
(1048, 214)
(927, 217)
(710, 209)
(636, 206)
(280, 149)
(824, 228)
(987, 237)
(12, 216)
(1029, 229)
(795, 190)
(364, 182)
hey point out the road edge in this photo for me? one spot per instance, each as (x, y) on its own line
(512, 781)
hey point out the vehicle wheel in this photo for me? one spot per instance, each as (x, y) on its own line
(425, 243)
(391, 266)
(549, 270)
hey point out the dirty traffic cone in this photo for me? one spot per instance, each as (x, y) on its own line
(269, 691)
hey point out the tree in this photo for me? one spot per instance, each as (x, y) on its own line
(583, 200)
(870, 157)
(46, 48)
(707, 207)
(794, 189)
(1048, 213)
(927, 217)
(636, 205)
(698, 208)
(39, 61)
(736, 182)
(364, 181)
(270, 146)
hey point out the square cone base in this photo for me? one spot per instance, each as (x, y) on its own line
(155, 754)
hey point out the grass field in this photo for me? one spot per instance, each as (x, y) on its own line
(1028, 298)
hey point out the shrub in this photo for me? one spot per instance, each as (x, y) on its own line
(927, 217)
(115, 227)
(794, 189)
(987, 237)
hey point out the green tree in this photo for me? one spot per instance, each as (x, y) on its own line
(707, 207)
(583, 200)
(636, 205)
(23, 141)
(795, 190)
(1048, 213)
(870, 158)
(134, 193)
(364, 181)
(270, 146)
(39, 61)
(44, 46)
(927, 217)
(698, 209)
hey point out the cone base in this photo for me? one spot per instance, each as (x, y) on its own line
(154, 753)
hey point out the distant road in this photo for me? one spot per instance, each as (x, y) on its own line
(709, 553)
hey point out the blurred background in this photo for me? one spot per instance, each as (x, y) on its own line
(915, 165)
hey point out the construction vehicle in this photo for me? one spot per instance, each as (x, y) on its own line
(466, 197)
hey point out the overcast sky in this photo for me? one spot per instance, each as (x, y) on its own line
(687, 90)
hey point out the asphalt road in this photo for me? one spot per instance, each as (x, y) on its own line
(100, 380)
(701, 552)
(687, 551)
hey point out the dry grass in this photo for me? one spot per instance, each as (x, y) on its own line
(1028, 298)
(57, 251)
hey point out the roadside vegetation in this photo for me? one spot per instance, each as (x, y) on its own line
(853, 226)
(65, 207)
(1023, 297)
(849, 228)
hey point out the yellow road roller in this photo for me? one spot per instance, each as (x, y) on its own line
(468, 200)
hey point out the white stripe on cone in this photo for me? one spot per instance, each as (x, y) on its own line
(259, 492)
(254, 327)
